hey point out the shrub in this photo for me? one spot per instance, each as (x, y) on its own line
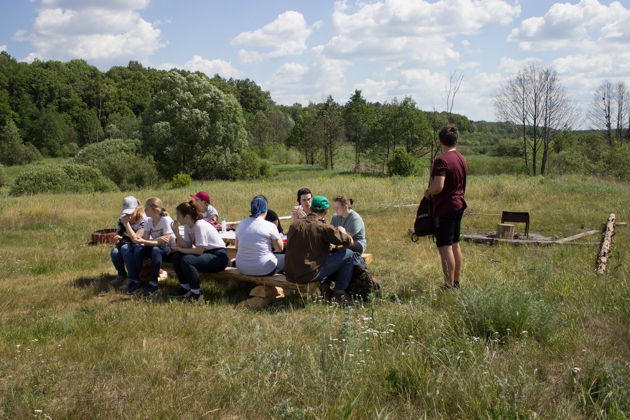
(61, 178)
(93, 153)
(503, 311)
(402, 163)
(3, 177)
(508, 147)
(119, 161)
(181, 181)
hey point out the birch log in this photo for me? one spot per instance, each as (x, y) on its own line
(604, 252)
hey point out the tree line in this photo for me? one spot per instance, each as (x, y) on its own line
(210, 127)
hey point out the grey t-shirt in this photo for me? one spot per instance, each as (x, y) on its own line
(353, 224)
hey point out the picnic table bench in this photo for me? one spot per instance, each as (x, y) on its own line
(267, 288)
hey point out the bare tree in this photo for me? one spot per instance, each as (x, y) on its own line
(601, 112)
(621, 101)
(535, 100)
(454, 83)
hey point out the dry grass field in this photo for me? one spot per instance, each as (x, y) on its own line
(533, 333)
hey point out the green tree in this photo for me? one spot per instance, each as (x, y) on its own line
(51, 132)
(12, 150)
(331, 124)
(89, 128)
(358, 117)
(192, 127)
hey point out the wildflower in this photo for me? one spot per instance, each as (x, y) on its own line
(575, 370)
(18, 345)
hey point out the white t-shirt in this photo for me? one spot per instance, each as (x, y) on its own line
(255, 255)
(163, 227)
(211, 212)
(203, 235)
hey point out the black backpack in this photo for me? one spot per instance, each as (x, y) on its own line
(424, 224)
(362, 285)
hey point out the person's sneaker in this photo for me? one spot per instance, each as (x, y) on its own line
(340, 296)
(181, 293)
(193, 297)
(132, 287)
(117, 281)
(149, 290)
(446, 287)
(456, 285)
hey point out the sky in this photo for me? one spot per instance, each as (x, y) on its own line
(305, 50)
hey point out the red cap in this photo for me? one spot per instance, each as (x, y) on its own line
(202, 196)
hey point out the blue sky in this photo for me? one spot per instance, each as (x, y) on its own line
(305, 50)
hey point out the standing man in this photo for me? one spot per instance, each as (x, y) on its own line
(308, 256)
(304, 197)
(446, 191)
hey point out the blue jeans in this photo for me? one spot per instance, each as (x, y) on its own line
(157, 254)
(118, 255)
(188, 266)
(340, 265)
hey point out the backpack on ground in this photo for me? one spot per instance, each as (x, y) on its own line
(363, 284)
(424, 224)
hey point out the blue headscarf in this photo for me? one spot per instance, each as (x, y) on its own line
(258, 206)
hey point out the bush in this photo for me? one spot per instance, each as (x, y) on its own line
(402, 163)
(181, 181)
(61, 178)
(501, 311)
(508, 147)
(3, 177)
(120, 162)
(12, 150)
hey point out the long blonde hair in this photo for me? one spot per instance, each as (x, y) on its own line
(138, 214)
(156, 204)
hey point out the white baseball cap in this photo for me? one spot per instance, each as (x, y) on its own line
(130, 203)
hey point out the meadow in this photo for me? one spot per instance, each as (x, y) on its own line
(532, 333)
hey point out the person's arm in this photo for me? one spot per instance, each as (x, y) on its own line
(338, 236)
(278, 245)
(196, 250)
(436, 187)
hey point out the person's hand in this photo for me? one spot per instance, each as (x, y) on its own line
(175, 227)
(125, 219)
(162, 240)
(342, 229)
(426, 194)
(117, 238)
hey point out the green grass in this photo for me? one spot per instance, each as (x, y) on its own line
(506, 345)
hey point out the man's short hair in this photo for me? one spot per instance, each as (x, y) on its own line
(448, 135)
(301, 192)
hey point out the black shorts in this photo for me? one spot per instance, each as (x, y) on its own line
(447, 228)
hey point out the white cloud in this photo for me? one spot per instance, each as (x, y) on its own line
(583, 26)
(416, 31)
(510, 66)
(3, 48)
(284, 36)
(223, 68)
(102, 32)
(377, 90)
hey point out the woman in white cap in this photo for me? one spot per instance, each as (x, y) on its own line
(131, 225)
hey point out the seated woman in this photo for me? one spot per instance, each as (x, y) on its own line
(256, 239)
(303, 209)
(272, 217)
(203, 201)
(157, 240)
(131, 225)
(201, 249)
(351, 221)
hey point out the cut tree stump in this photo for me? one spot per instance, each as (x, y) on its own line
(505, 231)
(604, 251)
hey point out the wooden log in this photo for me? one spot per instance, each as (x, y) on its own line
(604, 251)
(505, 231)
(254, 302)
(267, 292)
(481, 239)
(578, 236)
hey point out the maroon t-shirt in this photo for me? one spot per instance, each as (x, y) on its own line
(453, 167)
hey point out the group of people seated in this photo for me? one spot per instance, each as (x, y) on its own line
(312, 250)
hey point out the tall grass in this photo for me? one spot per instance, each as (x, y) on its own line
(73, 347)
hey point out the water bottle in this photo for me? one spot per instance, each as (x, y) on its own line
(223, 225)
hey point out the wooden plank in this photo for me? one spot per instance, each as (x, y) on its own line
(604, 251)
(480, 239)
(578, 236)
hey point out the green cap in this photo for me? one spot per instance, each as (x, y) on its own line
(319, 203)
